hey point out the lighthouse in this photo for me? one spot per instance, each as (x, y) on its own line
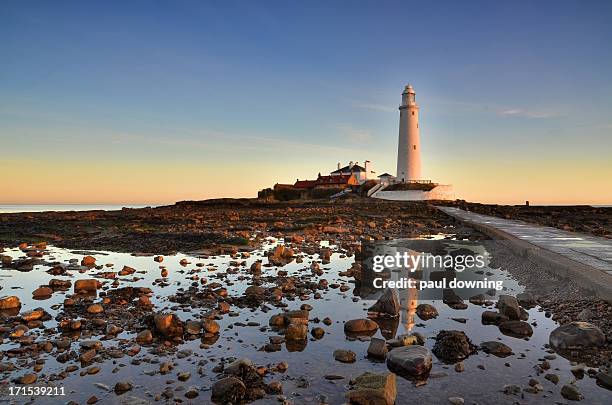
(408, 146)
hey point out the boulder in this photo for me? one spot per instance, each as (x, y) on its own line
(373, 389)
(296, 332)
(496, 348)
(88, 261)
(387, 305)
(57, 284)
(345, 356)
(577, 335)
(450, 298)
(86, 285)
(509, 306)
(569, 391)
(228, 390)
(452, 346)
(377, 349)
(526, 300)
(426, 311)
(95, 309)
(42, 292)
(211, 326)
(168, 324)
(516, 328)
(357, 326)
(493, 318)
(317, 332)
(411, 361)
(144, 337)
(10, 302)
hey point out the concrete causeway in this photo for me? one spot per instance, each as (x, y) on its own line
(587, 258)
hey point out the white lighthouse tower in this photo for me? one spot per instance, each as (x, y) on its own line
(409, 146)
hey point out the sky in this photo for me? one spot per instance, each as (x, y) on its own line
(149, 102)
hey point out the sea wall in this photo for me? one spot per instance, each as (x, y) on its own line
(440, 192)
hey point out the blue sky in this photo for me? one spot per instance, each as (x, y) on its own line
(287, 89)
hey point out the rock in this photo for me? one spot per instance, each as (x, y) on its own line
(144, 337)
(413, 361)
(377, 349)
(228, 390)
(373, 389)
(512, 389)
(493, 318)
(405, 340)
(211, 326)
(95, 309)
(57, 284)
(604, 379)
(126, 271)
(87, 356)
(275, 388)
(255, 267)
(296, 332)
(478, 299)
(360, 326)
(184, 376)
(88, 261)
(42, 292)
(585, 315)
(192, 393)
(452, 346)
(460, 367)
(317, 332)
(10, 302)
(33, 315)
(553, 378)
(237, 367)
(168, 324)
(456, 400)
(387, 305)
(509, 306)
(526, 300)
(426, 311)
(28, 379)
(577, 335)
(450, 298)
(123, 386)
(86, 285)
(496, 348)
(516, 328)
(345, 356)
(255, 291)
(570, 392)
(159, 259)
(112, 330)
(193, 327)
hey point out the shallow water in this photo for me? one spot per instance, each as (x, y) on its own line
(314, 361)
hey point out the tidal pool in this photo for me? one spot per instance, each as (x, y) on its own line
(304, 381)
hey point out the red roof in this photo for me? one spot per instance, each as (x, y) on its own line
(338, 179)
(305, 184)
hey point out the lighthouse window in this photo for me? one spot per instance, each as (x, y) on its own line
(414, 146)
(413, 113)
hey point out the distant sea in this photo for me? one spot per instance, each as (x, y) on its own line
(64, 207)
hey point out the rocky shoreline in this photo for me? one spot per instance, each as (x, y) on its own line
(219, 225)
(276, 317)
